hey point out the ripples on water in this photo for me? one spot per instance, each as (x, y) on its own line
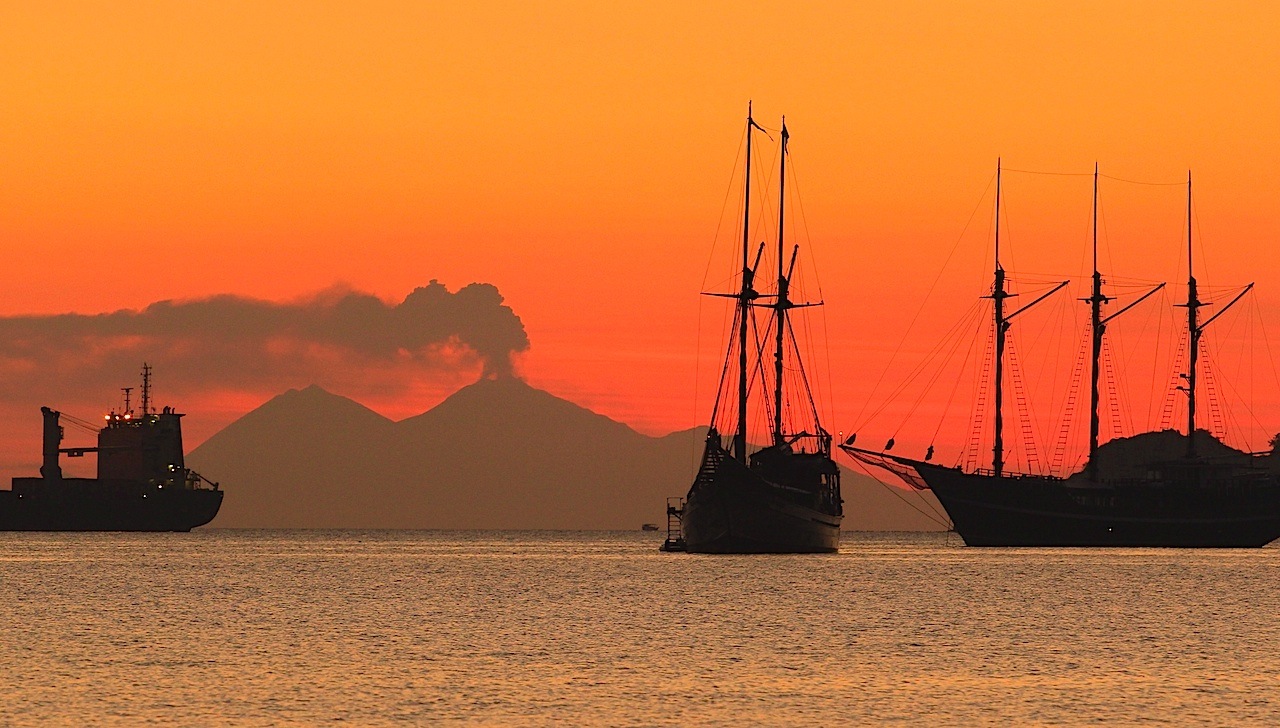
(369, 628)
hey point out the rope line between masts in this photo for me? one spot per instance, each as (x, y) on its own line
(1051, 173)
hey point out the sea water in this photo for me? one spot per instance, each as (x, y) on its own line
(411, 628)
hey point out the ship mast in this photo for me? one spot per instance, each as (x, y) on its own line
(1095, 300)
(998, 294)
(1002, 321)
(745, 297)
(1098, 328)
(1196, 330)
(1193, 337)
(782, 302)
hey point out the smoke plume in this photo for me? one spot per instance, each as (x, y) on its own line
(231, 342)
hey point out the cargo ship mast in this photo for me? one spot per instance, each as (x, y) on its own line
(146, 389)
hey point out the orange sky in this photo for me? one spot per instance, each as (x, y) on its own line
(576, 155)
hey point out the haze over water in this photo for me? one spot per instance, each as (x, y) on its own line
(386, 628)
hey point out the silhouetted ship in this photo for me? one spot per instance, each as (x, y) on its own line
(142, 484)
(783, 498)
(1159, 488)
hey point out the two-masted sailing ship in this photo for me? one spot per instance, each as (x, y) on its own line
(1162, 488)
(783, 497)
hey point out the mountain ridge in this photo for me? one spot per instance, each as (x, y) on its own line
(496, 454)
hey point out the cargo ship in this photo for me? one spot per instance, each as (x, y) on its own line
(1155, 489)
(143, 483)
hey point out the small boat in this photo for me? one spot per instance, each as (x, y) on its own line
(142, 484)
(783, 497)
(649, 527)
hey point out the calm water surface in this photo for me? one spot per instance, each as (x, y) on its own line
(408, 628)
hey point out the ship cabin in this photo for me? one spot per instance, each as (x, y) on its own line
(143, 448)
(146, 447)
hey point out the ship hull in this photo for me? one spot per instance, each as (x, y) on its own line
(89, 504)
(1030, 511)
(732, 510)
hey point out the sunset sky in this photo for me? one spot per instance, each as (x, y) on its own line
(576, 156)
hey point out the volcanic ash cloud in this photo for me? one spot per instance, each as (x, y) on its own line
(229, 341)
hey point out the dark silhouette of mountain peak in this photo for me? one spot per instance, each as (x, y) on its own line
(510, 405)
(297, 459)
(314, 406)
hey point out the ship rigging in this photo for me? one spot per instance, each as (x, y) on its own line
(1133, 491)
(783, 497)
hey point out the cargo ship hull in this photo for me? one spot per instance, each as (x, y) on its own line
(90, 504)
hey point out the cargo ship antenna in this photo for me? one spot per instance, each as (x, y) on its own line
(146, 389)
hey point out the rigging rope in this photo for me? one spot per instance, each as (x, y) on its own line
(724, 371)
(1160, 339)
(955, 387)
(1171, 396)
(720, 389)
(82, 424)
(1180, 183)
(937, 374)
(1249, 406)
(804, 379)
(936, 517)
(1030, 454)
(920, 367)
(972, 451)
(1068, 419)
(812, 253)
(862, 423)
(723, 206)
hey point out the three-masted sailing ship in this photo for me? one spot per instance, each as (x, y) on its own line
(783, 497)
(1161, 488)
